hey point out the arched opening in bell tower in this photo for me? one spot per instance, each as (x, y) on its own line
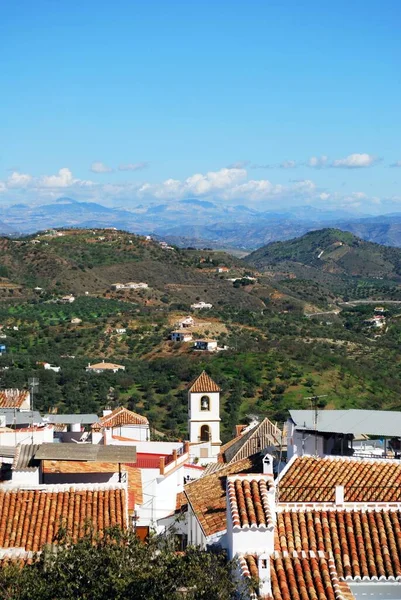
(205, 433)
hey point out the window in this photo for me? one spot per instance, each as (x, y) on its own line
(205, 403)
(205, 433)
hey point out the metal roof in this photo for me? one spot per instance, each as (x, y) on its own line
(371, 422)
(89, 452)
(24, 417)
(83, 419)
(7, 451)
(24, 457)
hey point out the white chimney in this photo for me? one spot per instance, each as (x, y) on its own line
(265, 588)
(339, 494)
(107, 412)
(267, 464)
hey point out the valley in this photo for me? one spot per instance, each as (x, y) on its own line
(292, 322)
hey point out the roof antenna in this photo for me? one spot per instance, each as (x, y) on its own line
(33, 383)
(315, 407)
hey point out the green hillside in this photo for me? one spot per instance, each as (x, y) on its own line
(281, 344)
(331, 251)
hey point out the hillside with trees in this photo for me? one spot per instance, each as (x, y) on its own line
(285, 338)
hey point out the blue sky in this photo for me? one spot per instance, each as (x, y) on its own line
(259, 102)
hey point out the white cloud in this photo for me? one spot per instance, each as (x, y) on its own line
(226, 185)
(317, 162)
(213, 182)
(63, 179)
(19, 180)
(288, 164)
(100, 167)
(355, 161)
(396, 164)
(139, 166)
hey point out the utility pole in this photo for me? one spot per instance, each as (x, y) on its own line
(33, 383)
(315, 407)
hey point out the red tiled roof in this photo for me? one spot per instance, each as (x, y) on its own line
(311, 479)
(120, 416)
(364, 543)
(29, 519)
(12, 398)
(249, 500)
(207, 495)
(306, 577)
(204, 383)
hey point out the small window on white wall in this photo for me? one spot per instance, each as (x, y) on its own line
(205, 403)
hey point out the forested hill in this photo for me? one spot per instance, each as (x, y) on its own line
(90, 261)
(331, 251)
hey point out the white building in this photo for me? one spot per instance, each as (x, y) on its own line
(200, 305)
(181, 336)
(204, 419)
(205, 345)
(120, 426)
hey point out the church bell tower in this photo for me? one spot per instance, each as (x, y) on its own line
(204, 415)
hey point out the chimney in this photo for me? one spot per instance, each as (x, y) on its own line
(186, 447)
(162, 465)
(265, 589)
(339, 493)
(267, 464)
(107, 412)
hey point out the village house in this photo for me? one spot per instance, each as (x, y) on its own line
(181, 336)
(69, 299)
(206, 345)
(120, 330)
(76, 321)
(15, 399)
(117, 286)
(120, 425)
(104, 367)
(324, 528)
(200, 305)
(30, 529)
(222, 269)
(332, 432)
(185, 322)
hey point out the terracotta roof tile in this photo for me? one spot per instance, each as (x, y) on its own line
(120, 416)
(13, 398)
(29, 519)
(204, 383)
(248, 497)
(299, 577)
(207, 495)
(364, 543)
(311, 479)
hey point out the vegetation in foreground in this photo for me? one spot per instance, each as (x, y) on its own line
(119, 566)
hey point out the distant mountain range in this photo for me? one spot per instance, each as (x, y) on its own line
(200, 223)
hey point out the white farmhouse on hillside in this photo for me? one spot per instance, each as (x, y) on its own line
(103, 367)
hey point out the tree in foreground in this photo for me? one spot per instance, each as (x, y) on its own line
(118, 566)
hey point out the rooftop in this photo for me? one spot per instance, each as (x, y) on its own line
(105, 366)
(31, 518)
(312, 479)
(68, 419)
(87, 452)
(207, 495)
(204, 383)
(372, 422)
(364, 543)
(13, 398)
(248, 497)
(120, 416)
